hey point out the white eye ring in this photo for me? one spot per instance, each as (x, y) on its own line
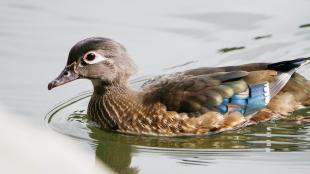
(93, 57)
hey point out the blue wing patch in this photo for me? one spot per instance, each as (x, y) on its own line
(255, 98)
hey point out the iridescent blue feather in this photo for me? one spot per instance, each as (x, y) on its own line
(247, 103)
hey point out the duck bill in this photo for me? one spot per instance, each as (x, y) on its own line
(67, 75)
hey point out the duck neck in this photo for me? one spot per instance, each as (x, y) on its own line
(112, 103)
(102, 88)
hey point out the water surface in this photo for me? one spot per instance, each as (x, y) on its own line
(161, 37)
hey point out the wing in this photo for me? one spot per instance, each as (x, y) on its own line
(197, 94)
(246, 88)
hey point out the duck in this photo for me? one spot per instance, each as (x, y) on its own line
(198, 101)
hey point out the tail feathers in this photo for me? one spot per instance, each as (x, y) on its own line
(286, 69)
(280, 82)
(288, 65)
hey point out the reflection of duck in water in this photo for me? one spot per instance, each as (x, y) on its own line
(113, 152)
(196, 101)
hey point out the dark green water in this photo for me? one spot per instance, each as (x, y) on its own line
(162, 37)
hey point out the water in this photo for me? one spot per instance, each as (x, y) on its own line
(37, 35)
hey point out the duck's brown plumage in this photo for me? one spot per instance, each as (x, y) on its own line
(184, 103)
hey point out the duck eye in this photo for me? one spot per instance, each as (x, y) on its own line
(90, 56)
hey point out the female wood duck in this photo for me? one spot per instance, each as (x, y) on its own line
(194, 102)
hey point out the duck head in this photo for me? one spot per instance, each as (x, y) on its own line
(101, 60)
